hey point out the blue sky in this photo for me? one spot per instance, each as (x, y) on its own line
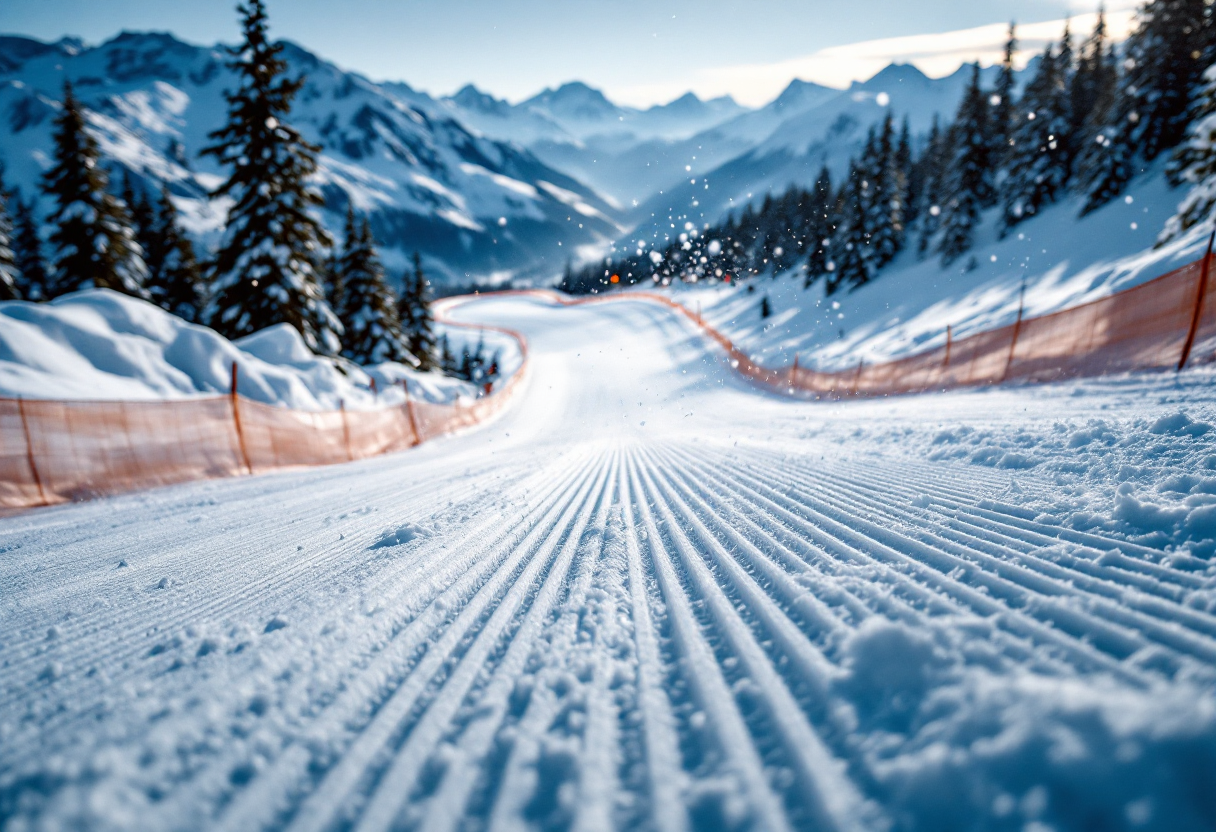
(639, 51)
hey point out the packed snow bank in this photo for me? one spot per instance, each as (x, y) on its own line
(100, 344)
(1065, 261)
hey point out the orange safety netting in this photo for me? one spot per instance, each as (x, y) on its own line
(56, 451)
(1163, 323)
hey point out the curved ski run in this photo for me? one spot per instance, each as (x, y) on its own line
(647, 597)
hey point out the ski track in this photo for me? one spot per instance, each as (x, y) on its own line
(711, 609)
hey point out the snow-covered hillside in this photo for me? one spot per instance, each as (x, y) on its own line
(1064, 259)
(477, 209)
(646, 597)
(99, 344)
(790, 140)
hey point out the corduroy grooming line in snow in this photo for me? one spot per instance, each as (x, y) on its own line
(58, 451)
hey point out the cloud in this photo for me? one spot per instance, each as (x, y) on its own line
(837, 66)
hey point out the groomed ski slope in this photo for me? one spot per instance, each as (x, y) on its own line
(646, 597)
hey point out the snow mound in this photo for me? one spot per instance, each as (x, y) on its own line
(399, 536)
(100, 344)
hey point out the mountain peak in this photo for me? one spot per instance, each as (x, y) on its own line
(469, 97)
(574, 99)
(799, 94)
(897, 73)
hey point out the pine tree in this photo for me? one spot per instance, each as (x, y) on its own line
(852, 257)
(330, 278)
(1003, 107)
(369, 310)
(1038, 157)
(906, 174)
(933, 169)
(821, 227)
(92, 242)
(174, 278)
(266, 271)
(885, 196)
(414, 311)
(1194, 164)
(27, 251)
(447, 361)
(10, 274)
(139, 210)
(1165, 57)
(969, 179)
(1090, 86)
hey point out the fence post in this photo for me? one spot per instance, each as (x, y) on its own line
(1017, 327)
(409, 410)
(375, 392)
(236, 420)
(949, 342)
(1198, 313)
(857, 376)
(345, 430)
(29, 451)
(794, 372)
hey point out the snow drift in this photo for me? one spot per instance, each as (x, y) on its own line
(99, 344)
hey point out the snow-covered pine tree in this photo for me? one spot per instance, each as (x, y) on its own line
(174, 278)
(1194, 164)
(140, 211)
(447, 361)
(933, 167)
(414, 310)
(1003, 104)
(821, 227)
(885, 195)
(369, 311)
(969, 174)
(1038, 157)
(905, 164)
(1164, 57)
(10, 275)
(852, 263)
(27, 251)
(92, 242)
(267, 268)
(1091, 89)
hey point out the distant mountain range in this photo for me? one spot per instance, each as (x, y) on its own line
(486, 190)
(477, 208)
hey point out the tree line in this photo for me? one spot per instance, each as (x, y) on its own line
(275, 262)
(1087, 121)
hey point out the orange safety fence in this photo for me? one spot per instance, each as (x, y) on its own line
(55, 451)
(58, 451)
(1163, 323)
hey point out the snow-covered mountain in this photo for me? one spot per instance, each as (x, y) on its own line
(576, 113)
(624, 153)
(787, 142)
(477, 208)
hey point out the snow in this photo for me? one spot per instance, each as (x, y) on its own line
(1064, 259)
(99, 344)
(392, 151)
(646, 596)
